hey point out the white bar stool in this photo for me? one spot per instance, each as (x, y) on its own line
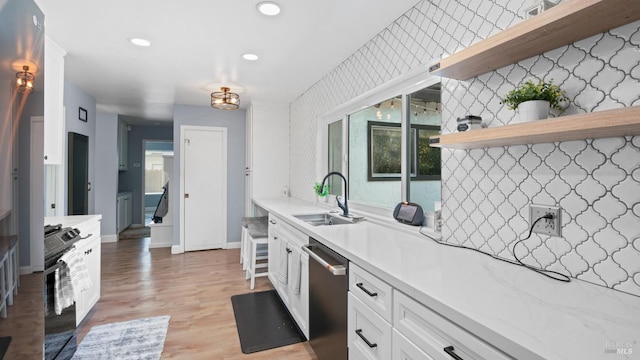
(244, 237)
(253, 248)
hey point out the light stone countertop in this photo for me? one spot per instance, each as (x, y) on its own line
(70, 221)
(523, 313)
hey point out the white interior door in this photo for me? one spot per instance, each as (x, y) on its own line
(204, 160)
(36, 202)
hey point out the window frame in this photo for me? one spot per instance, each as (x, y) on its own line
(402, 86)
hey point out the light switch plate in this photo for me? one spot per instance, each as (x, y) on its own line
(545, 226)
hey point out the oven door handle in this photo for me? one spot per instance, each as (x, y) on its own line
(338, 270)
(52, 269)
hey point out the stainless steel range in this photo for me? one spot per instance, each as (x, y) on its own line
(60, 329)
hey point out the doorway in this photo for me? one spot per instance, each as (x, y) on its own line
(154, 177)
(203, 189)
(78, 174)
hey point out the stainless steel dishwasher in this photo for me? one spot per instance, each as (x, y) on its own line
(328, 286)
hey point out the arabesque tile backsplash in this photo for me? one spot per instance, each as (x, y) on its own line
(486, 192)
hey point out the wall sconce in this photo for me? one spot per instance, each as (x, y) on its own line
(225, 100)
(24, 81)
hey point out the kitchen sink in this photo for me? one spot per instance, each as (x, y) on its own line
(324, 219)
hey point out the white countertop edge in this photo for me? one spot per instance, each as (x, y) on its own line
(71, 220)
(517, 342)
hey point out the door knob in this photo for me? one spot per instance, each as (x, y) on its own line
(186, 196)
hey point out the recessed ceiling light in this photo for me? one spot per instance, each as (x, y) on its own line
(140, 42)
(268, 8)
(250, 57)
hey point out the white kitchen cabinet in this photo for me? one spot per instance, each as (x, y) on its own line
(124, 209)
(403, 349)
(285, 241)
(123, 143)
(434, 334)
(54, 122)
(372, 291)
(369, 335)
(299, 301)
(267, 151)
(90, 249)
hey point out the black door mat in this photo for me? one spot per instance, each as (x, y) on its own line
(263, 322)
(4, 345)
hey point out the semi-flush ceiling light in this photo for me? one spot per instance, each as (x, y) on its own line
(24, 81)
(268, 8)
(250, 57)
(225, 100)
(140, 42)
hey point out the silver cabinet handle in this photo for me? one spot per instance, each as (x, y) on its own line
(334, 269)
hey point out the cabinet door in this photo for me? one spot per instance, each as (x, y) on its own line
(92, 258)
(120, 210)
(403, 349)
(53, 103)
(299, 301)
(273, 247)
(90, 251)
(128, 210)
(123, 142)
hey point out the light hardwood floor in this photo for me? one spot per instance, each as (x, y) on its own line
(195, 288)
(25, 320)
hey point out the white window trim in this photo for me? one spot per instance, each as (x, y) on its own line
(403, 85)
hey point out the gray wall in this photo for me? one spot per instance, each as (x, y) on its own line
(234, 121)
(75, 97)
(131, 180)
(106, 182)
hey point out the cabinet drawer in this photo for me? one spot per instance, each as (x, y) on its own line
(293, 234)
(432, 333)
(372, 291)
(368, 333)
(403, 349)
(274, 223)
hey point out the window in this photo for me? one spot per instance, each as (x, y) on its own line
(383, 147)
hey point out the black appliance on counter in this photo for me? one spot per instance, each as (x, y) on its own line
(328, 286)
(59, 330)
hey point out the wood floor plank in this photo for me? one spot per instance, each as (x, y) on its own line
(195, 288)
(25, 320)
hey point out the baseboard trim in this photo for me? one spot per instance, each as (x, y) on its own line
(175, 249)
(153, 245)
(109, 238)
(233, 245)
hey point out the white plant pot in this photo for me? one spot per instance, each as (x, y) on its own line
(533, 110)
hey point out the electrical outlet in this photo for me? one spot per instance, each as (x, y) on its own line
(545, 226)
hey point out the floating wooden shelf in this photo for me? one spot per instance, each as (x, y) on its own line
(563, 24)
(600, 124)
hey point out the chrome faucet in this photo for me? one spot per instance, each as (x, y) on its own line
(341, 205)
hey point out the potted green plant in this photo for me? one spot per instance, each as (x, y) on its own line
(533, 101)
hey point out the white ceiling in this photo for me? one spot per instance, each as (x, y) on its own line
(196, 43)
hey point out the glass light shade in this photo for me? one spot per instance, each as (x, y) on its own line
(225, 100)
(24, 81)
